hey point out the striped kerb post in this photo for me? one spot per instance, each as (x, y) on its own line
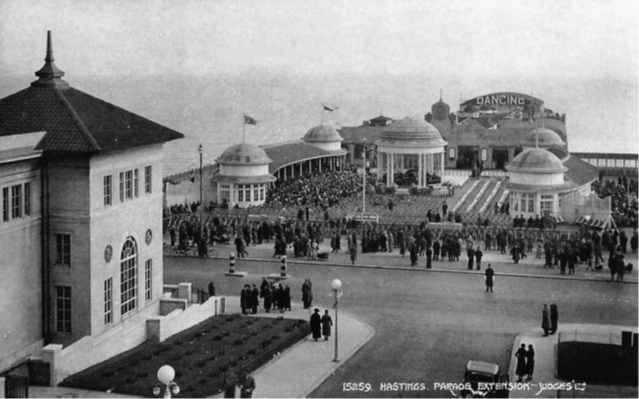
(231, 263)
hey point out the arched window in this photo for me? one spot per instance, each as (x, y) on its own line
(128, 276)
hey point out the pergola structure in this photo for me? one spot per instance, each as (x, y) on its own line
(410, 144)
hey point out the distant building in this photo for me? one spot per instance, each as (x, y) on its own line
(81, 184)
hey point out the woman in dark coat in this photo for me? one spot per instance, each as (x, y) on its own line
(316, 325)
(545, 320)
(554, 318)
(521, 362)
(327, 322)
(530, 361)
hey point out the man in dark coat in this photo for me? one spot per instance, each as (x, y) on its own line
(436, 247)
(429, 258)
(489, 276)
(478, 255)
(255, 299)
(211, 289)
(327, 323)
(244, 298)
(554, 319)
(471, 257)
(316, 325)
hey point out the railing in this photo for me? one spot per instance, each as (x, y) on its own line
(39, 373)
(16, 386)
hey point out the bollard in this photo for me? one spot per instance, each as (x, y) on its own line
(283, 272)
(231, 263)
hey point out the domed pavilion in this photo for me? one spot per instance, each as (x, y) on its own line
(243, 175)
(545, 178)
(411, 144)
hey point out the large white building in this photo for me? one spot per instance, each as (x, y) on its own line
(81, 192)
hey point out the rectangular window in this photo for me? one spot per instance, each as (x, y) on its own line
(5, 204)
(148, 176)
(247, 192)
(107, 190)
(128, 184)
(240, 192)
(256, 192)
(148, 267)
(262, 193)
(546, 203)
(523, 203)
(121, 186)
(135, 183)
(63, 249)
(108, 301)
(16, 201)
(63, 308)
(27, 199)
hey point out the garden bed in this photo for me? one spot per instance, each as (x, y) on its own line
(200, 356)
(596, 363)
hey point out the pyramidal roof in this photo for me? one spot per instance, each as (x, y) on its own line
(73, 120)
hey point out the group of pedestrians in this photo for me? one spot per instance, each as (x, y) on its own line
(549, 319)
(274, 295)
(321, 325)
(525, 362)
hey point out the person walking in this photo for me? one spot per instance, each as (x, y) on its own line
(489, 276)
(478, 255)
(554, 318)
(327, 323)
(316, 325)
(211, 289)
(545, 320)
(521, 369)
(530, 362)
(429, 258)
(471, 257)
(307, 293)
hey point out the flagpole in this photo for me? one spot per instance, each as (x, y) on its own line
(322, 114)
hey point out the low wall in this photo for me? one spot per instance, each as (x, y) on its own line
(89, 351)
(159, 328)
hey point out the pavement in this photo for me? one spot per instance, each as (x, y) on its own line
(303, 367)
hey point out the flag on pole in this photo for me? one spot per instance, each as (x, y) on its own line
(329, 109)
(250, 121)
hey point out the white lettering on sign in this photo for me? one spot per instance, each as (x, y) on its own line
(501, 99)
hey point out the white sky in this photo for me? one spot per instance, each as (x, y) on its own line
(573, 38)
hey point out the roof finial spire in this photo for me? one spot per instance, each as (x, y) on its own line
(49, 74)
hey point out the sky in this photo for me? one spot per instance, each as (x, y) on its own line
(580, 56)
(584, 38)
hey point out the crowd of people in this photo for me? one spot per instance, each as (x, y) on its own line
(623, 196)
(320, 189)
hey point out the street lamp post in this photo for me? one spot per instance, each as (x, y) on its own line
(201, 150)
(364, 183)
(166, 374)
(336, 285)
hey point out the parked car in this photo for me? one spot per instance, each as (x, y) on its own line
(485, 381)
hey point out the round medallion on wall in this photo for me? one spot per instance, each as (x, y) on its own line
(148, 237)
(108, 253)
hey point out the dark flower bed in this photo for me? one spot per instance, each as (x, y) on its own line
(596, 363)
(200, 356)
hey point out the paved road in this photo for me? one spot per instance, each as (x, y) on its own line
(428, 324)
